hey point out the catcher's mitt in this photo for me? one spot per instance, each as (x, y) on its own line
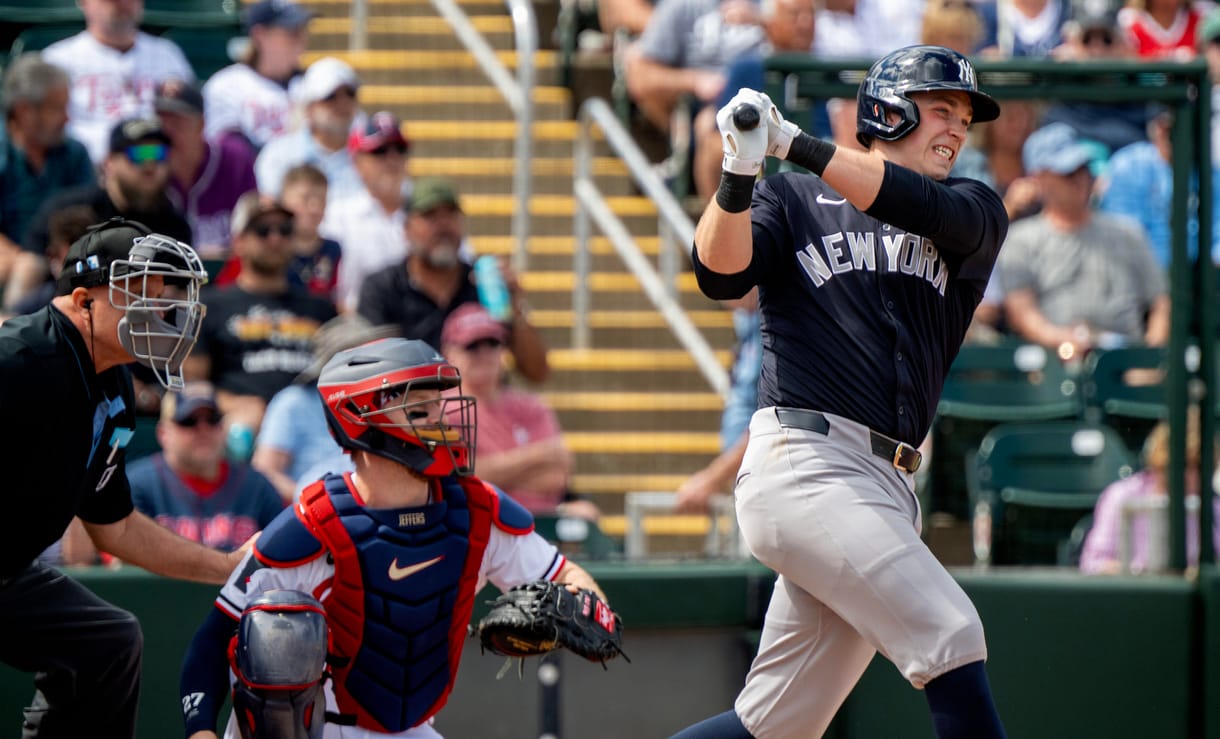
(539, 616)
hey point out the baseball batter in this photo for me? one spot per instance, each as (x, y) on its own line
(868, 273)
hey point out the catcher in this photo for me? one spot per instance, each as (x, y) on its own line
(394, 555)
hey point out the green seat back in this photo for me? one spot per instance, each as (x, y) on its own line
(197, 13)
(1038, 479)
(1009, 382)
(207, 49)
(37, 38)
(40, 12)
(1125, 389)
(576, 538)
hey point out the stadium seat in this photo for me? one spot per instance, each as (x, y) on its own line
(1030, 484)
(207, 49)
(40, 12)
(576, 537)
(986, 386)
(144, 442)
(37, 38)
(1125, 389)
(197, 13)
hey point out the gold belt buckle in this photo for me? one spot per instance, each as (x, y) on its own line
(898, 454)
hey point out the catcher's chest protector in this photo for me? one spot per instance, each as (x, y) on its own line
(402, 596)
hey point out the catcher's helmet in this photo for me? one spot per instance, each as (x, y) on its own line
(892, 79)
(374, 402)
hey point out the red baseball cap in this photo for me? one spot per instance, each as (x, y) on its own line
(381, 129)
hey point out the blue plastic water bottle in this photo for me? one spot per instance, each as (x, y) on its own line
(240, 442)
(493, 291)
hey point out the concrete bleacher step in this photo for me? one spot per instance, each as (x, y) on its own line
(437, 67)
(467, 138)
(485, 175)
(410, 32)
(342, 9)
(637, 412)
(602, 411)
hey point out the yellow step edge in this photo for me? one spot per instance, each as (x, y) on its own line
(446, 130)
(424, 59)
(615, 401)
(610, 484)
(663, 525)
(607, 281)
(491, 166)
(643, 442)
(418, 24)
(639, 319)
(374, 95)
(557, 244)
(627, 359)
(552, 205)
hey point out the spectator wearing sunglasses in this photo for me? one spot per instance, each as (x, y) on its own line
(189, 487)
(326, 99)
(135, 176)
(257, 333)
(521, 447)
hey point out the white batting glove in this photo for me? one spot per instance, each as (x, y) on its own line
(779, 133)
(744, 151)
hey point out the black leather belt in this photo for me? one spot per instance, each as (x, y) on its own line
(898, 453)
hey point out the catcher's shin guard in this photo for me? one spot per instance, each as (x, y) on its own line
(279, 657)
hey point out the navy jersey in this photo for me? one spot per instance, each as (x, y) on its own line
(862, 313)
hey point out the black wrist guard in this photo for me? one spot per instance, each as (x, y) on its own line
(811, 153)
(735, 192)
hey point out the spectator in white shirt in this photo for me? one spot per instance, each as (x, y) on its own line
(327, 96)
(253, 96)
(115, 68)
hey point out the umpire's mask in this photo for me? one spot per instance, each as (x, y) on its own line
(159, 329)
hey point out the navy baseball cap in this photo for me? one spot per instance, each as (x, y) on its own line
(176, 96)
(1056, 148)
(381, 129)
(88, 261)
(179, 405)
(279, 13)
(134, 130)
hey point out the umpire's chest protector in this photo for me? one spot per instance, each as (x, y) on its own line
(402, 595)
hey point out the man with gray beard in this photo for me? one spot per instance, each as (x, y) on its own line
(135, 175)
(419, 293)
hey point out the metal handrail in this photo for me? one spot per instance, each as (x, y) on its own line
(518, 93)
(591, 205)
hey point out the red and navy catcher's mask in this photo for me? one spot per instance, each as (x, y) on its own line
(895, 77)
(373, 403)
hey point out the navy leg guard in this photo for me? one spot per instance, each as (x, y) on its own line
(961, 704)
(723, 726)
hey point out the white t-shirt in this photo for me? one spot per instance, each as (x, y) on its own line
(109, 85)
(239, 99)
(372, 240)
(508, 561)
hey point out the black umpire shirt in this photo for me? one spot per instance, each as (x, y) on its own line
(64, 432)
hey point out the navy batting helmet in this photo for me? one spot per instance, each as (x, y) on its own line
(893, 78)
(388, 397)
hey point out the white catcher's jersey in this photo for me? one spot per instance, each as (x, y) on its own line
(239, 99)
(509, 560)
(110, 85)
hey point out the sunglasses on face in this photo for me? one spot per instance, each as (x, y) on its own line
(208, 419)
(1104, 38)
(263, 230)
(475, 346)
(144, 153)
(380, 151)
(344, 91)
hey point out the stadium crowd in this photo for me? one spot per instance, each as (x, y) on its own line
(303, 203)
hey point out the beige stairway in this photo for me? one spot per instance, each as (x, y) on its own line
(634, 408)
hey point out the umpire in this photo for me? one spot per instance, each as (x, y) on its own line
(869, 268)
(66, 400)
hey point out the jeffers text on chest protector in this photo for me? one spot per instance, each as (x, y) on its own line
(279, 657)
